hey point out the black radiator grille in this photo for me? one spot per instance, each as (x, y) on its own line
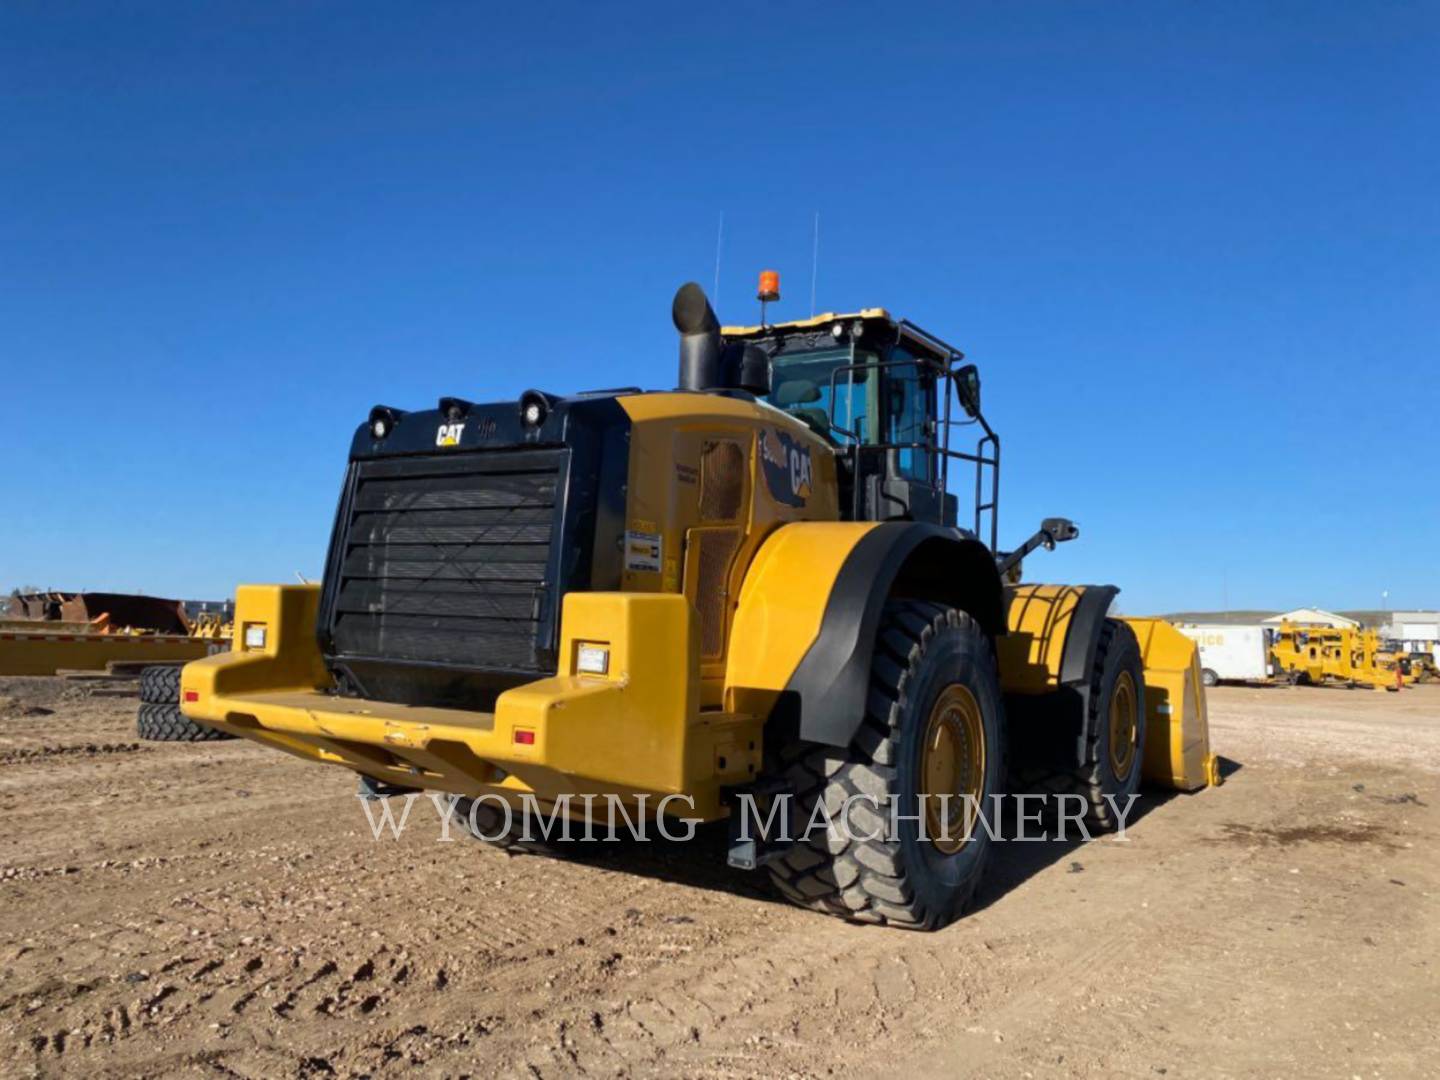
(446, 559)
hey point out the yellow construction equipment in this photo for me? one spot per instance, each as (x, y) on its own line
(99, 631)
(751, 593)
(1420, 667)
(39, 652)
(1335, 654)
(1423, 668)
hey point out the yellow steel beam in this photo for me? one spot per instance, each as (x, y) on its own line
(46, 653)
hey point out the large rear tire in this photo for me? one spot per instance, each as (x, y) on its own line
(933, 725)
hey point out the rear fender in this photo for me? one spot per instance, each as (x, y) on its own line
(812, 602)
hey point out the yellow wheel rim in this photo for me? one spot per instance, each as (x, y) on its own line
(1124, 726)
(952, 762)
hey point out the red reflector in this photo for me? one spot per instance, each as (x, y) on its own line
(525, 738)
(192, 695)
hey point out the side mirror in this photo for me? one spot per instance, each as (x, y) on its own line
(967, 386)
(1058, 531)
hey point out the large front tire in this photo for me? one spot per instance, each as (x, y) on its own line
(933, 726)
(1109, 777)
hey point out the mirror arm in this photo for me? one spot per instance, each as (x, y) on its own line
(1052, 531)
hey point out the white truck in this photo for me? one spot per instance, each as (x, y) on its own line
(1231, 653)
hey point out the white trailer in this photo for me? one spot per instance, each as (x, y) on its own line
(1231, 653)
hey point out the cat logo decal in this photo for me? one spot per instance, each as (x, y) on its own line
(787, 467)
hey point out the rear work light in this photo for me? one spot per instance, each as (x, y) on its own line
(592, 659)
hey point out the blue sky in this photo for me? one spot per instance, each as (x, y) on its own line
(1193, 249)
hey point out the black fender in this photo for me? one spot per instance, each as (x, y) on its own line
(1083, 638)
(1077, 662)
(1056, 726)
(900, 559)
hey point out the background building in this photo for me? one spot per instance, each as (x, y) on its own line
(1309, 616)
(1417, 630)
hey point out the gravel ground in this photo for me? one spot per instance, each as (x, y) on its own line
(218, 909)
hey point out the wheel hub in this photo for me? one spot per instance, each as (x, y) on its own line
(952, 762)
(1124, 726)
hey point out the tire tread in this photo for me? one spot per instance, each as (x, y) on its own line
(1087, 781)
(160, 684)
(857, 879)
(166, 723)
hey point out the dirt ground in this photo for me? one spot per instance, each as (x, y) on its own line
(222, 910)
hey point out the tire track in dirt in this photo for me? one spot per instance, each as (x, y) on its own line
(266, 934)
(44, 754)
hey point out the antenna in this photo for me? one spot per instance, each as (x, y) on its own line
(719, 242)
(814, 263)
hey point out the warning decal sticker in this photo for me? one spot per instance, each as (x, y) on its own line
(642, 552)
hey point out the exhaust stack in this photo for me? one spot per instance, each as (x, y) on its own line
(702, 364)
(706, 363)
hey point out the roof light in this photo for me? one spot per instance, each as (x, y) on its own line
(769, 290)
(534, 408)
(383, 420)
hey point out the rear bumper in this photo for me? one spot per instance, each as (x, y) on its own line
(635, 730)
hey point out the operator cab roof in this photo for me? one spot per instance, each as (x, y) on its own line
(821, 330)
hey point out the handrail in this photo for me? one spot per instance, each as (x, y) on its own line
(938, 444)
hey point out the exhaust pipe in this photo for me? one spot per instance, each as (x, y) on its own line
(706, 363)
(702, 364)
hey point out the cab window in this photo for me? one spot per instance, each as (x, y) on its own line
(909, 395)
(823, 389)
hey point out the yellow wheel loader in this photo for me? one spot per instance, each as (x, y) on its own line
(753, 592)
(1415, 665)
(1422, 666)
